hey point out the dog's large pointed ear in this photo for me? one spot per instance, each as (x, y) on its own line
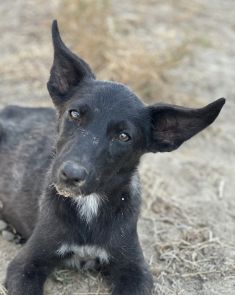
(67, 71)
(172, 125)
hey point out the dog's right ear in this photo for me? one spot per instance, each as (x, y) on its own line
(67, 71)
(172, 125)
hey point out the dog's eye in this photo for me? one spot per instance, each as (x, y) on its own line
(123, 136)
(75, 115)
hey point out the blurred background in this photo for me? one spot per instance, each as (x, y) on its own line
(174, 51)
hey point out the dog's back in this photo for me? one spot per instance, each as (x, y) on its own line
(26, 147)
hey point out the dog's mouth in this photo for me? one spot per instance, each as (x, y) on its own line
(67, 192)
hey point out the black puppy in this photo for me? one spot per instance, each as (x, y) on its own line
(69, 178)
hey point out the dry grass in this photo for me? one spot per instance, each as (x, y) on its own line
(90, 280)
(197, 255)
(3, 291)
(186, 251)
(114, 55)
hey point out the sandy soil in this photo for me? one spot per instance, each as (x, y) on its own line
(187, 227)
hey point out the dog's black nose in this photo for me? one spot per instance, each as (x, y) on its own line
(73, 173)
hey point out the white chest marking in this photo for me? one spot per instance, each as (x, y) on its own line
(88, 206)
(82, 253)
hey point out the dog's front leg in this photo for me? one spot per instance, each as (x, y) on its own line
(129, 274)
(28, 271)
(131, 279)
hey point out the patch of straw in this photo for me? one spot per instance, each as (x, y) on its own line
(3, 290)
(93, 30)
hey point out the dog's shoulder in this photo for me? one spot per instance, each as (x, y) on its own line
(17, 119)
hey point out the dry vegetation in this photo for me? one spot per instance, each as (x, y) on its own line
(193, 252)
(100, 37)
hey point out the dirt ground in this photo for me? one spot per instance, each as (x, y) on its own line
(187, 226)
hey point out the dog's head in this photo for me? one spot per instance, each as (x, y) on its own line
(104, 128)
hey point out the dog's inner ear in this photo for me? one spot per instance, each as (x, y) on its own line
(67, 71)
(172, 125)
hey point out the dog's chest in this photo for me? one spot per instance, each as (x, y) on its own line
(83, 257)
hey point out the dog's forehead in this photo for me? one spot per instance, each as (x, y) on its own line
(108, 98)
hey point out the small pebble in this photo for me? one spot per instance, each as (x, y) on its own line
(8, 236)
(3, 225)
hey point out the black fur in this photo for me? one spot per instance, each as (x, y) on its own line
(91, 145)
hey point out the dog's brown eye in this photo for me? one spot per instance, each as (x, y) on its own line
(75, 115)
(124, 137)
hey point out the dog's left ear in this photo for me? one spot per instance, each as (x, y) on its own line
(172, 125)
(68, 70)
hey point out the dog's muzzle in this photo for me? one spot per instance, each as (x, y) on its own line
(72, 174)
